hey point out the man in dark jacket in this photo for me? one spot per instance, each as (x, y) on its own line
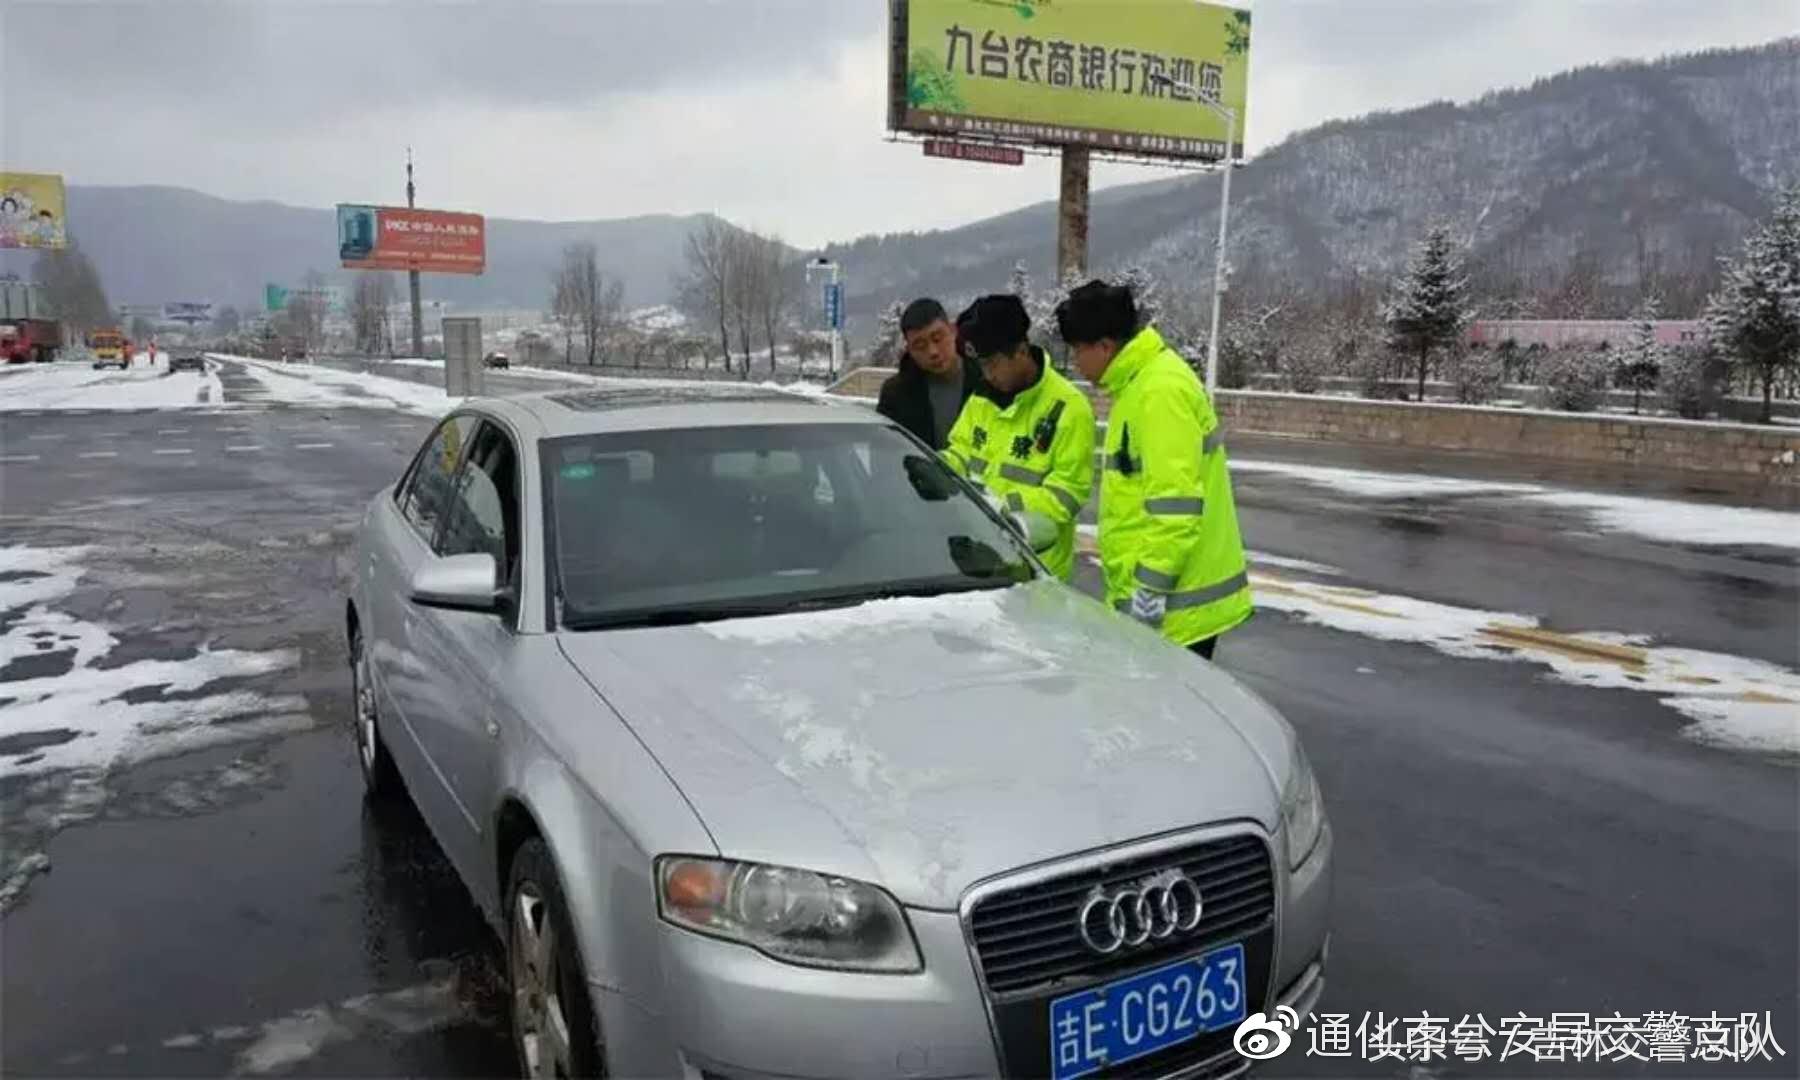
(926, 395)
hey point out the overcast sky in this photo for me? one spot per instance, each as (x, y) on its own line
(769, 112)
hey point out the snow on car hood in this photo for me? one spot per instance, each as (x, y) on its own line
(926, 744)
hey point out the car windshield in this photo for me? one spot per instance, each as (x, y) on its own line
(671, 526)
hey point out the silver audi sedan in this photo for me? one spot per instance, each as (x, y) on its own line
(770, 750)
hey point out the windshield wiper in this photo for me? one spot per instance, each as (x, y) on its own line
(689, 614)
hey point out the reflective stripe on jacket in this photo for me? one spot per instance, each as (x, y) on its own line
(1167, 519)
(1034, 453)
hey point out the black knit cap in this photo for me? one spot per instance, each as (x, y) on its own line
(1096, 311)
(991, 326)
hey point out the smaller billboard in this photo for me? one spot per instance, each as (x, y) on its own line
(403, 238)
(191, 312)
(32, 213)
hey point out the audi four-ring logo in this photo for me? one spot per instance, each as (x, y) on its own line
(1156, 908)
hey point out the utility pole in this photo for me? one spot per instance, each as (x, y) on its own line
(412, 276)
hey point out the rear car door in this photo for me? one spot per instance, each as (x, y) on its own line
(461, 650)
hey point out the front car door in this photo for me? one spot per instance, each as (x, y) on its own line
(461, 650)
(400, 537)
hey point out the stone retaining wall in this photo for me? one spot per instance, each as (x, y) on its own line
(1754, 455)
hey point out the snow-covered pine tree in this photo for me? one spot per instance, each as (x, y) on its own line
(1640, 363)
(889, 342)
(1430, 305)
(1754, 316)
(1144, 291)
(1042, 309)
(1020, 283)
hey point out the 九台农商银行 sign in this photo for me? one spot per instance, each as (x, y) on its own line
(1138, 77)
(403, 238)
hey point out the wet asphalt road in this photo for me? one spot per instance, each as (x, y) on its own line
(1505, 843)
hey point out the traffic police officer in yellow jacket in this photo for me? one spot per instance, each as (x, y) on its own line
(1027, 437)
(1169, 543)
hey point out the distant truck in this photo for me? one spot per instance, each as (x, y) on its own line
(29, 330)
(110, 348)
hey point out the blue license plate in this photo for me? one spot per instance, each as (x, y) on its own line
(1153, 1010)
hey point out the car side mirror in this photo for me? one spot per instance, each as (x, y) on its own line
(1037, 529)
(459, 583)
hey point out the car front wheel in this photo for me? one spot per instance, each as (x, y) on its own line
(554, 1028)
(380, 778)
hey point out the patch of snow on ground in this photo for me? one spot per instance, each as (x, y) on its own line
(80, 719)
(1735, 702)
(304, 384)
(1263, 558)
(1665, 520)
(1681, 522)
(1380, 485)
(64, 386)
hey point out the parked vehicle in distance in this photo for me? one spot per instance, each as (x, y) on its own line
(109, 348)
(29, 330)
(187, 359)
(738, 713)
(496, 359)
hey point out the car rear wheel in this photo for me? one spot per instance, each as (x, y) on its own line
(554, 1028)
(380, 778)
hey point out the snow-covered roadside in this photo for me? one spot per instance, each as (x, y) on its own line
(304, 384)
(64, 387)
(1667, 520)
(1733, 702)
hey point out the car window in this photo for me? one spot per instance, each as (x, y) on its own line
(428, 486)
(673, 521)
(483, 516)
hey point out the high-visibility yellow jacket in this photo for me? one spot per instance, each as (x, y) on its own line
(1167, 519)
(1035, 452)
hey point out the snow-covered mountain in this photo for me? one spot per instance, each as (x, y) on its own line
(1629, 169)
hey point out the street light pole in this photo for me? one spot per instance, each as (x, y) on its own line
(412, 276)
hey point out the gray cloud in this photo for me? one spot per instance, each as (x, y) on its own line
(767, 111)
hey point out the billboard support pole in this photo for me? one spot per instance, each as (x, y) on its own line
(1072, 213)
(1212, 341)
(412, 276)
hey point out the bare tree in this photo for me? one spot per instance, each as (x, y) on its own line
(565, 306)
(704, 289)
(744, 287)
(228, 320)
(369, 302)
(72, 288)
(777, 291)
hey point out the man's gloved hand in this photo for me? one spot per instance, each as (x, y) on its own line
(1149, 606)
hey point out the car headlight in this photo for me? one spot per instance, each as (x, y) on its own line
(794, 915)
(1302, 809)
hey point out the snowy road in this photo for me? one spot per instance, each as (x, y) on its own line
(1524, 821)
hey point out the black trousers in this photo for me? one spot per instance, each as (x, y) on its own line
(1204, 647)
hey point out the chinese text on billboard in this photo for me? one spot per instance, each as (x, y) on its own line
(401, 238)
(1130, 76)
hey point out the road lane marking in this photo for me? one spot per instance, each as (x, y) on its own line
(242, 449)
(100, 453)
(175, 450)
(47, 438)
(112, 435)
(17, 458)
(172, 431)
(312, 446)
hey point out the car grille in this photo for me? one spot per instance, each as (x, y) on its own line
(1027, 941)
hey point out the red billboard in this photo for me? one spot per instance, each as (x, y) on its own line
(402, 238)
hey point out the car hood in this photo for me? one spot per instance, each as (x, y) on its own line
(925, 744)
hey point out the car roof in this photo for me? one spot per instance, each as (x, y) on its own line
(667, 405)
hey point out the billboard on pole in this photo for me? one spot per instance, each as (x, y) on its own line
(32, 211)
(402, 238)
(1134, 77)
